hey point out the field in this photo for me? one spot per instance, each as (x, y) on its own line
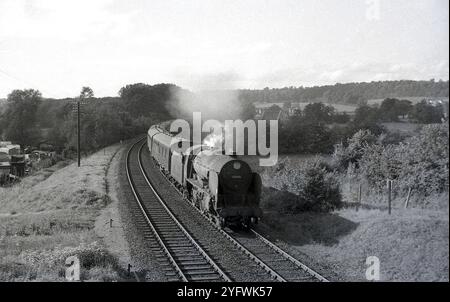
(338, 107)
(50, 216)
(412, 245)
(405, 127)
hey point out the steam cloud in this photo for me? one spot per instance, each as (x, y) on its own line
(215, 97)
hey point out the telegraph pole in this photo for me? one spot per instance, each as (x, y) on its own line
(78, 133)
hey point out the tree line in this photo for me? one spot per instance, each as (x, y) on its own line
(318, 127)
(350, 93)
(31, 121)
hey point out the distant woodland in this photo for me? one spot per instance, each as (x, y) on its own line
(351, 93)
(29, 119)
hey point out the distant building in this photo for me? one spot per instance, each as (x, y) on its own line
(273, 112)
(262, 107)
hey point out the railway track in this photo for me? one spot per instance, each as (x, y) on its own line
(181, 256)
(288, 268)
(276, 262)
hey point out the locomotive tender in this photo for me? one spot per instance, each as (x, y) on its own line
(221, 186)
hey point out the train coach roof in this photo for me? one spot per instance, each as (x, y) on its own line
(163, 137)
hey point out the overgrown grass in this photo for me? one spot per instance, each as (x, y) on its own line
(412, 244)
(50, 216)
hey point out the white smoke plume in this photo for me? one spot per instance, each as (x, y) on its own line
(215, 96)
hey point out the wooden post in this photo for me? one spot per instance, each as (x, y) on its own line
(408, 197)
(78, 134)
(359, 193)
(359, 198)
(110, 222)
(389, 187)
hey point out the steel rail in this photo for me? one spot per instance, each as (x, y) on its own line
(178, 223)
(290, 258)
(255, 258)
(155, 233)
(251, 255)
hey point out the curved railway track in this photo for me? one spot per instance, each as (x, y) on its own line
(186, 259)
(183, 258)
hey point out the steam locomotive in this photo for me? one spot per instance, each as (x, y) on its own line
(222, 186)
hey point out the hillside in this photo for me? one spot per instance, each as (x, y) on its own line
(349, 93)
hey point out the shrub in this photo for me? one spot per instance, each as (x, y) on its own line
(315, 188)
(344, 155)
(425, 160)
(420, 162)
(319, 190)
(379, 163)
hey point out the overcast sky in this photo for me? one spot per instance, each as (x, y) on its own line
(58, 46)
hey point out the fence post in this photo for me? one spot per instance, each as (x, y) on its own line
(359, 197)
(360, 194)
(407, 197)
(389, 187)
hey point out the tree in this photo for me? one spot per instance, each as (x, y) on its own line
(341, 118)
(388, 111)
(304, 137)
(391, 109)
(143, 100)
(20, 116)
(404, 107)
(426, 113)
(318, 112)
(86, 93)
(366, 118)
(365, 114)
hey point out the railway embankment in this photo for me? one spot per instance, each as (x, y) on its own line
(58, 213)
(409, 244)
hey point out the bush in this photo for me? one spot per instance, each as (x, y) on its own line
(425, 160)
(379, 163)
(420, 162)
(353, 151)
(315, 188)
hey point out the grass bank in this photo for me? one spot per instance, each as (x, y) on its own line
(50, 216)
(412, 244)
